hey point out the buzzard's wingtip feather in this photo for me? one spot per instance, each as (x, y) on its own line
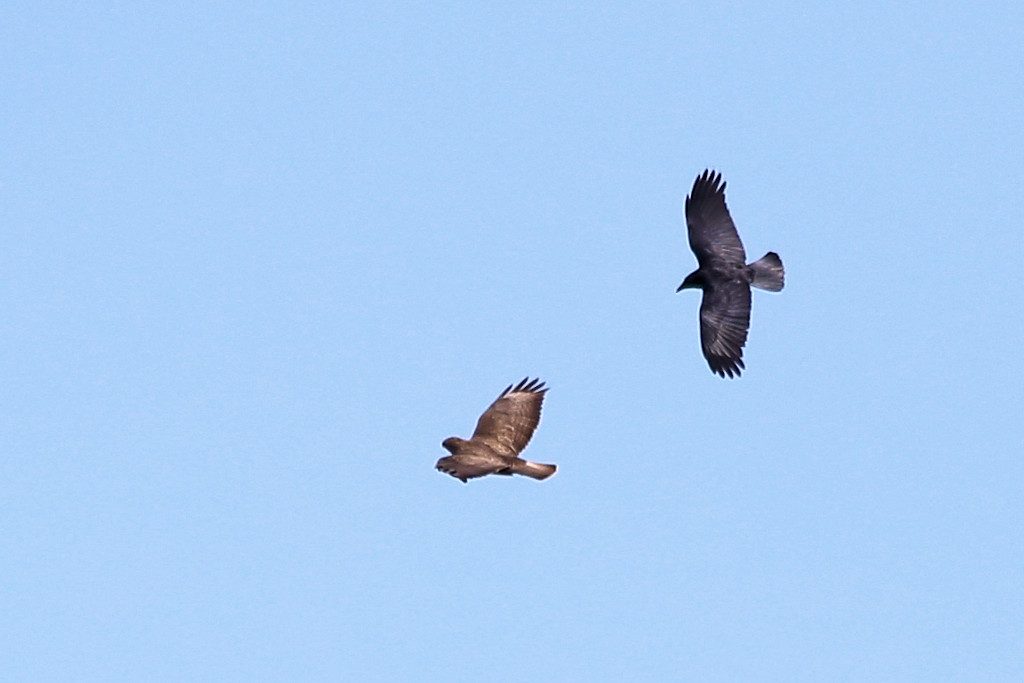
(528, 385)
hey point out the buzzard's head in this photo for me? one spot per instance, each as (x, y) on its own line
(452, 444)
(694, 280)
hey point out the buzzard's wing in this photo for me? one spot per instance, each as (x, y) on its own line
(724, 320)
(510, 421)
(712, 234)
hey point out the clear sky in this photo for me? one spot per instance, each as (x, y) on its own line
(257, 261)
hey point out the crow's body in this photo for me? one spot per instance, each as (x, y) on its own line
(723, 275)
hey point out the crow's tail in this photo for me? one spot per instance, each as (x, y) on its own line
(767, 272)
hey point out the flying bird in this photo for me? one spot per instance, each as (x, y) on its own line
(502, 433)
(724, 275)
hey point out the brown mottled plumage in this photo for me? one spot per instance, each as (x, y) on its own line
(502, 433)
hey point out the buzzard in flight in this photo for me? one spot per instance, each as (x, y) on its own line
(724, 275)
(502, 433)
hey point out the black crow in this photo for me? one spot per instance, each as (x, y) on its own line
(724, 275)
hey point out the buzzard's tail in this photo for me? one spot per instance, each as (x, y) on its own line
(767, 272)
(534, 470)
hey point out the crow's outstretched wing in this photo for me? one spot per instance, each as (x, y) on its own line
(509, 423)
(724, 321)
(713, 236)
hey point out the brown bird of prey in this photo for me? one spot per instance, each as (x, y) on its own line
(724, 275)
(502, 433)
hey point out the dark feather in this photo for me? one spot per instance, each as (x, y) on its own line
(724, 321)
(713, 236)
(723, 275)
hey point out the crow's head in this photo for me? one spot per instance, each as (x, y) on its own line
(694, 280)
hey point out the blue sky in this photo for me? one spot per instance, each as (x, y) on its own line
(257, 262)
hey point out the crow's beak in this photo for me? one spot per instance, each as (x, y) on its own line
(680, 287)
